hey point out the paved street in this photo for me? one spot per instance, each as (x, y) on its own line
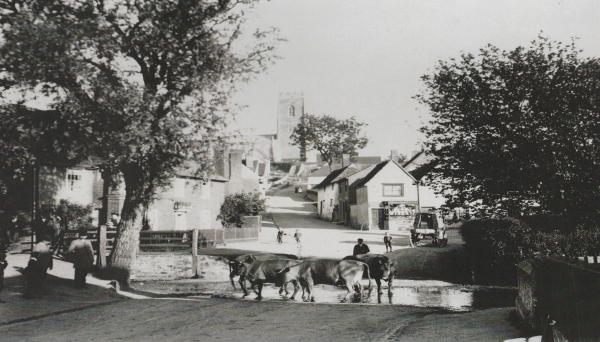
(231, 320)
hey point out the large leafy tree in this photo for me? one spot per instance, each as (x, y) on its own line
(141, 84)
(329, 136)
(517, 129)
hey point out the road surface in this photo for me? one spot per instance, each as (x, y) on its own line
(216, 319)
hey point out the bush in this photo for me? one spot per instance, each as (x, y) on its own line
(64, 216)
(239, 205)
(495, 246)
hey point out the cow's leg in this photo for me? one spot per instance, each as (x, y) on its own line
(295, 283)
(378, 282)
(309, 288)
(259, 285)
(304, 291)
(390, 285)
(359, 290)
(242, 282)
(349, 289)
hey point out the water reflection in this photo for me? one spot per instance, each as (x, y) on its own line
(451, 297)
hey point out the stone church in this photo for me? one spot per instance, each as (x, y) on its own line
(277, 147)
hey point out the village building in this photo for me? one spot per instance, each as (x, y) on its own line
(381, 196)
(332, 196)
(188, 202)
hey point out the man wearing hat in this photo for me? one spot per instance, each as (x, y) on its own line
(81, 253)
(360, 248)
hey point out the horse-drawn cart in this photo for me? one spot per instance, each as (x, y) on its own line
(429, 226)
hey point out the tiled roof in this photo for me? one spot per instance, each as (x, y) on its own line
(330, 177)
(362, 181)
(324, 170)
(349, 171)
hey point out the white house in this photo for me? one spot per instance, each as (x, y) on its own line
(419, 166)
(332, 192)
(327, 195)
(387, 197)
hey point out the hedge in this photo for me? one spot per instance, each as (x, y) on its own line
(495, 246)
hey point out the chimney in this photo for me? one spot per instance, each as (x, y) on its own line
(220, 161)
(346, 159)
(235, 164)
(394, 155)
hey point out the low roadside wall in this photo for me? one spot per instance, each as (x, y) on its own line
(562, 291)
(252, 221)
(173, 266)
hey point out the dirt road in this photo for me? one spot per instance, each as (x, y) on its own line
(320, 238)
(231, 320)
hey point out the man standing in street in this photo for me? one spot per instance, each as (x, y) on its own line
(81, 253)
(360, 248)
(280, 235)
(37, 268)
(3, 265)
(387, 240)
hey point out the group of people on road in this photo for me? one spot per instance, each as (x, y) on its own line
(281, 233)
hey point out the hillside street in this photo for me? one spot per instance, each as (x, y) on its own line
(197, 318)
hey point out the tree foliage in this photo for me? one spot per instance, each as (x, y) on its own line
(329, 136)
(517, 129)
(236, 206)
(143, 85)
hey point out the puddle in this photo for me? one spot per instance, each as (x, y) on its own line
(416, 293)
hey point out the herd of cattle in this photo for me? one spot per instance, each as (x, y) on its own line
(304, 274)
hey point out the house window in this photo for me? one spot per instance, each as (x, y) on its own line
(292, 111)
(331, 202)
(72, 178)
(393, 190)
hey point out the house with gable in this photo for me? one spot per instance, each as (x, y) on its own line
(419, 166)
(332, 193)
(327, 195)
(387, 197)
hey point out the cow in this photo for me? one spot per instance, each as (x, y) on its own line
(380, 268)
(237, 268)
(259, 272)
(335, 272)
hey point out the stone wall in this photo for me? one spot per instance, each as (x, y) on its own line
(566, 292)
(172, 266)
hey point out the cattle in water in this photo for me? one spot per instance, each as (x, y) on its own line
(237, 268)
(259, 272)
(330, 272)
(380, 268)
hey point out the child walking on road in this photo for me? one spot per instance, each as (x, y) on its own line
(280, 235)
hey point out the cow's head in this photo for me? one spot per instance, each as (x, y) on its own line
(384, 267)
(248, 259)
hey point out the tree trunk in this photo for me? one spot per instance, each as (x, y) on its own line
(127, 241)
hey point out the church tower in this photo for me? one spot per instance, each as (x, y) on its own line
(290, 110)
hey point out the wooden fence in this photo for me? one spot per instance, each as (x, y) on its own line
(183, 240)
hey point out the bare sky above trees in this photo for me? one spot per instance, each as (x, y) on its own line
(364, 58)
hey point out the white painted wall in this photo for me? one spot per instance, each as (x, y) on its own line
(391, 174)
(329, 197)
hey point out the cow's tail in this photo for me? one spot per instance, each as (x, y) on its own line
(366, 266)
(287, 269)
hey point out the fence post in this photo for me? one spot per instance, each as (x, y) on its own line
(195, 253)
(101, 260)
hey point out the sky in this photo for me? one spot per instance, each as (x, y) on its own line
(364, 58)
